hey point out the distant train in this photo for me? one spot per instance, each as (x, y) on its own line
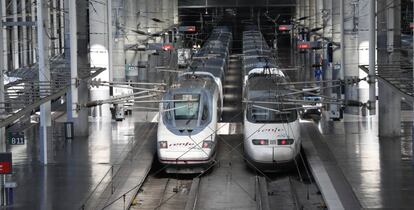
(191, 109)
(271, 120)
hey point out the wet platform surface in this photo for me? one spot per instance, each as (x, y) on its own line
(79, 166)
(380, 171)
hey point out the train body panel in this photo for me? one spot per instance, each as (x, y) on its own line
(274, 134)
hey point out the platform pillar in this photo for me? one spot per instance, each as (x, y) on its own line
(72, 111)
(110, 40)
(44, 76)
(349, 50)
(118, 41)
(389, 116)
(372, 52)
(131, 56)
(76, 43)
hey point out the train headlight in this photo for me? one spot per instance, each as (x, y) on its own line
(163, 144)
(207, 144)
(285, 141)
(260, 142)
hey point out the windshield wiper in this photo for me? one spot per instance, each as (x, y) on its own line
(189, 120)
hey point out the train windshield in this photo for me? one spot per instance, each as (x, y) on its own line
(186, 111)
(186, 106)
(258, 113)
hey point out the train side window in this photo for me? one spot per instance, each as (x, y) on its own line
(168, 113)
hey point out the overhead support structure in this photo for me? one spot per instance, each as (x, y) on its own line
(44, 76)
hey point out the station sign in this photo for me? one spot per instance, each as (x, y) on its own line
(309, 45)
(186, 28)
(285, 27)
(167, 47)
(6, 163)
(16, 138)
(304, 45)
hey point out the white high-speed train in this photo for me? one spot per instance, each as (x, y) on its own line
(271, 120)
(191, 108)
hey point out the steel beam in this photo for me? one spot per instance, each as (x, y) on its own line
(31, 107)
(19, 23)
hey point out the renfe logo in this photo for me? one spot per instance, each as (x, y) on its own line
(274, 130)
(181, 144)
(277, 132)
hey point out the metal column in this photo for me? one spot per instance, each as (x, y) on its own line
(349, 50)
(372, 44)
(342, 32)
(33, 30)
(98, 42)
(62, 25)
(110, 39)
(2, 68)
(81, 125)
(4, 39)
(24, 34)
(55, 35)
(389, 103)
(44, 76)
(72, 113)
(15, 37)
(118, 51)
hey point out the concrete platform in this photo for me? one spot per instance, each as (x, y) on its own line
(81, 168)
(366, 171)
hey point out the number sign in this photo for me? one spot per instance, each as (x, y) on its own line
(16, 138)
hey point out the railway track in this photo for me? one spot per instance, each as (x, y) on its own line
(294, 190)
(162, 193)
(230, 184)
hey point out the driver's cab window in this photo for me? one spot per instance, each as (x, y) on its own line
(186, 106)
